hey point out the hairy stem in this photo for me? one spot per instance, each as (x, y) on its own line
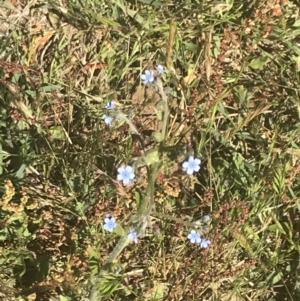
(166, 108)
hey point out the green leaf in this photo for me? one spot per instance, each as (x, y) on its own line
(93, 253)
(151, 157)
(137, 198)
(276, 227)
(191, 46)
(7, 4)
(298, 205)
(44, 267)
(259, 63)
(21, 171)
(157, 136)
(94, 265)
(275, 277)
(155, 3)
(109, 283)
(160, 104)
(1, 158)
(297, 23)
(57, 132)
(159, 115)
(119, 230)
(158, 292)
(242, 239)
(81, 207)
(107, 21)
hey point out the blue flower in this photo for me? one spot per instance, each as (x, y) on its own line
(161, 69)
(205, 243)
(125, 174)
(194, 237)
(110, 105)
(109, 223)
(148, 77)
(191, 165)
(206, 218)
(132, 235)
(107, 119)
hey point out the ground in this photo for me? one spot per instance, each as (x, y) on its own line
(233, 92)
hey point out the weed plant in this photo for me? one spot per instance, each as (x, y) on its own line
(85, 127)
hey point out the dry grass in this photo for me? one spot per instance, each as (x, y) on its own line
(234, 87)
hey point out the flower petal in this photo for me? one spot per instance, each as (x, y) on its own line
(126, 181)
(108, 119)
(198, 161)
(185, 165)
(110, 105)
(121, 169)
(128, 168)
(206, 217)
(108, 228)
(205, 243)
(190, 171)
(196, 168)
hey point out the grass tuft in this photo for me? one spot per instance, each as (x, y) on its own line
(233, 95)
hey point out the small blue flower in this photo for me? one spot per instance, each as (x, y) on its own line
(191, 165)
(206, 218)
(194, 237)
(205, 243)
(132, 235)
(161, 69)
(110, 105)
(148, 77)
(109, 223)
(107, 119)
(125, 174)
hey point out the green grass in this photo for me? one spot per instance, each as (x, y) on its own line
(234, 83)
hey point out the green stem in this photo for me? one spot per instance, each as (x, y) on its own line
(166, 108)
